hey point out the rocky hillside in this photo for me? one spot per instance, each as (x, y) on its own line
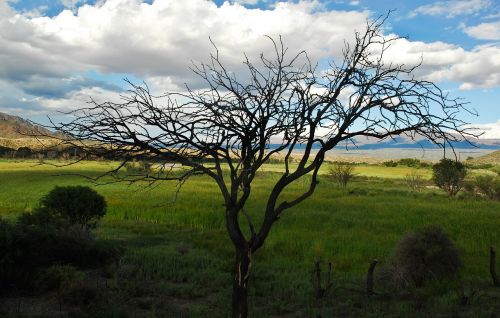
(16, 132)
(14, 127)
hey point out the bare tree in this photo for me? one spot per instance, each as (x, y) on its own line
(231, 128)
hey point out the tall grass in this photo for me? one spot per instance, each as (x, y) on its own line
(348, 226)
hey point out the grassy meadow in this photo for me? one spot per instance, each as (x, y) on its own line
(178, 257)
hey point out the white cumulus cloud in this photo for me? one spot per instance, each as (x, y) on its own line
(48, 57)
(484, 31)
(477, 68)
(162, 38)
(490, 130)
(452, 8)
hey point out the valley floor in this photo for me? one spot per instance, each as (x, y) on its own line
(178, 258)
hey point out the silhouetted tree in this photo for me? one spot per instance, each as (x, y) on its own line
(23, 152)
(5, 151)
(228, 130)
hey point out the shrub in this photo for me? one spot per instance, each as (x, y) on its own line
(60, 277)
(469, 186)
(4, 151)
(488, 185)
(82, 296)
(138, 167)
(342, 173)
(23, 249)
(412, 162)
(485, 185)
(76, 205)
(390, 163)
(409, 162)
(27, 250)
(6, 260)
(23, 152)
(414, 180)
(102, 253)
(496, 169)
(56, 233)
(449, 175)
(73, 246)
(427, 254)
(42, 217)
(479, 166)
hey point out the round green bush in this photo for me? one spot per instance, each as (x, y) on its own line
(77, 205)
(449, 175)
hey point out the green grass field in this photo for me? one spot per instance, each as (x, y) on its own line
(178, 258)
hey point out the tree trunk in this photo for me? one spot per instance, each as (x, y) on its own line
(241, 273)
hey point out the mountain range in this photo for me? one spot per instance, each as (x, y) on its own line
(405, 142)
(14, 127)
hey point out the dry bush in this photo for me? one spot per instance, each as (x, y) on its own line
(488, 186)
(342, 173)
(422, 256)
(414, 180)
(483, 186)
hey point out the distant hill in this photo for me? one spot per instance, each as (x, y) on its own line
(404, 142)
(14, 127)
(16, 132)
(491, 158)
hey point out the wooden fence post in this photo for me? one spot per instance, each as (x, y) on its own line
(369, 277)
(493, 271)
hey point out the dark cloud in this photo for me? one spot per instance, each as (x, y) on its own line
(54, 88)
(14, 105)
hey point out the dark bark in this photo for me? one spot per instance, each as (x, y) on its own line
(493, 271)
(369, 277)
(241, 273)
(319, 291)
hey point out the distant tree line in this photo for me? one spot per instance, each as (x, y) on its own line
(409, 162)
(58, 153)
(47, 153)
(78, 153)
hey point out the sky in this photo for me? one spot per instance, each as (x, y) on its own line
(57, 54)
